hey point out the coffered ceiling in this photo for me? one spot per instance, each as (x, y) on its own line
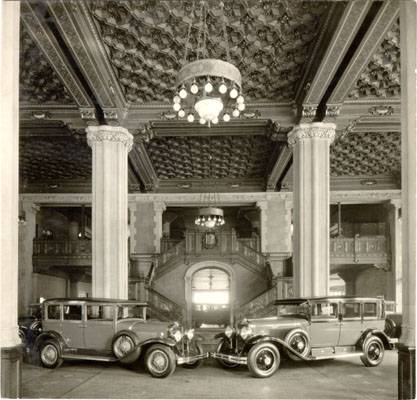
(115, 62)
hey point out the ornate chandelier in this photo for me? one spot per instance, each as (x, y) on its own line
(208, 89)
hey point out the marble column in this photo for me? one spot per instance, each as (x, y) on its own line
(27, 232)
(111, 146)
(311, 143)
(11, 354)
(407, 347)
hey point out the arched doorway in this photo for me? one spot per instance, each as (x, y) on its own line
(209, 294)
(210, 297)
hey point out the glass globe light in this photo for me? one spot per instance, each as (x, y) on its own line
(209, 108)
(190, 118)
(233, 93)
(226, 117)
(181, 113)
(176, 106)
(240, 99)
(235, 113)
(177, 99)
(215, 120)
(211, 223)
(202, 121)
(208, 87)
(241, 106)
(194, 88)
(222, 88)
(183, 93)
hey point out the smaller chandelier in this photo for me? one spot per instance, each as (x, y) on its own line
(210, 217)
(208, 89)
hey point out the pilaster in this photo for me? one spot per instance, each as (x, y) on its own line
(311, 177)
(110, 145)
(159, 208)
(263, 208)
(27, 232)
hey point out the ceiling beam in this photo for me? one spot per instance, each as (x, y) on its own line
(47, 43)
(142, 167)
(80, 34)
(344, 33)
(381, 24)
(279, 168)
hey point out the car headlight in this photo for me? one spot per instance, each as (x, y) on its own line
(245, 332)
(190, 334)
(177, 335)
(228, 331)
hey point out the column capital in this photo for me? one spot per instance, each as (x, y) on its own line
(160, 206)
(108, 133)
(319, 130)
(262, 205)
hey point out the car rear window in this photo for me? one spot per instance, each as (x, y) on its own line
(369, 309)
(351, 310)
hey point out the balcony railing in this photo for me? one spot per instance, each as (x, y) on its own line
(62, 252)
(359, 250)
(163, 308)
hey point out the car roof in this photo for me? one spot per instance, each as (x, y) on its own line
(300, 300)
(93, 300)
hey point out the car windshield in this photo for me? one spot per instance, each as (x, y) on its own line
(131, 311)
(292, 309)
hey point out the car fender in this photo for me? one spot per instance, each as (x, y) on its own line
(135, 353)
(50, 335)
(374, 332)
(270, 339)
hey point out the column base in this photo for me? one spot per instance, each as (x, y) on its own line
(11, 372)
(406, 372)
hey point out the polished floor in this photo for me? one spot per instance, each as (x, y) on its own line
(336, 379)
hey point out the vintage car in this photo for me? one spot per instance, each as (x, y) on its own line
(308, 329)
(113, 330)
(30, 326)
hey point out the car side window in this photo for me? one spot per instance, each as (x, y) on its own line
(351, 310)
(54, 312)
(72, 312)
(100, 313)
(369, 310)
(324, 310)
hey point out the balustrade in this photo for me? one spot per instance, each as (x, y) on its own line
(162, 307)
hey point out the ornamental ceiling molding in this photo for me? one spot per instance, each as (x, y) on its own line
(348, 25)
(383, 22)
(170, 199)
(106, 133)
(72, 19)
(50, 48)
(127, 30)
(316, 130)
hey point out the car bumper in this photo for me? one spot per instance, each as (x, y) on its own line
(191, 359)
(230, 358)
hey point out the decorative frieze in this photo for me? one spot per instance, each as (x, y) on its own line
(106, 133)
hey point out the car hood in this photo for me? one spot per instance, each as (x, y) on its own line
(145, 330)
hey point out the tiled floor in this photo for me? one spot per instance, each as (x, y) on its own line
(336, 379)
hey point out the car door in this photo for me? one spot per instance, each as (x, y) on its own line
(73, 325)
(325, 325)
(99, 327)
(351, 323)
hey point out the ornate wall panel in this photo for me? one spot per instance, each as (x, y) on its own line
(39, 83)
(369, 153)
(231, 157)
(269, 42)
(381, 77)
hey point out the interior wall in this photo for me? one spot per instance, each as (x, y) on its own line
(278, 227)
(47, 286)
(372, 282)
(143, 232)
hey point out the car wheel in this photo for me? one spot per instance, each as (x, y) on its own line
(122, 346)
(298, 341)
(373, 351)
(223, 347)
(49, 355)
(197, 350)
(263, 360)
(22, 335)
(160, 361)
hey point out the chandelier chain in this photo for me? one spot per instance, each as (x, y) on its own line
(225, 33)
(187, 42)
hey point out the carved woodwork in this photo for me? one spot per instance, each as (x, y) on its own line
(366, 154)
(269, 42)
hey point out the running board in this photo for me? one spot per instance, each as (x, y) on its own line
(88, 357)
(331, 357)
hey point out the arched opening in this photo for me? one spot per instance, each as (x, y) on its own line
(210, 297)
